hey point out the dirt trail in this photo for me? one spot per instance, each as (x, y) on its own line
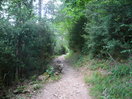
(71, 86)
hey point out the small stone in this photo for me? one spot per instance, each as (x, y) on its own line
(26, 91)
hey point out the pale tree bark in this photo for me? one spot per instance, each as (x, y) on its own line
(40, 9)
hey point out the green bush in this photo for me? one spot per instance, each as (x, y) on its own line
(108, 29)
(104, 30)
(59, 50)
(24, 49)
(50, 70)
(76, 40)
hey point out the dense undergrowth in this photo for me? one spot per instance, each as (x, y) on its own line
(108, 80)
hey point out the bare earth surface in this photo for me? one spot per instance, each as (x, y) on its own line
(71, 86)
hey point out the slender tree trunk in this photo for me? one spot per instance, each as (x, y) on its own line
(40, 9)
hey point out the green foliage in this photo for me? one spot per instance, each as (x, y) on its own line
(114, 85)
(72, 22)
(60, 49)
(75, 59)
(108, 28)
(55, 78)
(76, 40)
(50, 70)
(24, 49)
(33, 78)
(25, 44)
(102, 64)
(75, 9)
(20, 89)
(110, 87)
(79, 60)
(122, 70)
(37, 86)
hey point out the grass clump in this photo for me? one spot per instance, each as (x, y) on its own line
(99, 64)
(55, 77)
(116, 85)
(122, 70)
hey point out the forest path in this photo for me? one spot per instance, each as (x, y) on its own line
(70, 86)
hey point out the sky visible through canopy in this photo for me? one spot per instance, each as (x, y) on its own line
(56, 3)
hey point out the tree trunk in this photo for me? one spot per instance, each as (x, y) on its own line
(40, 9)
